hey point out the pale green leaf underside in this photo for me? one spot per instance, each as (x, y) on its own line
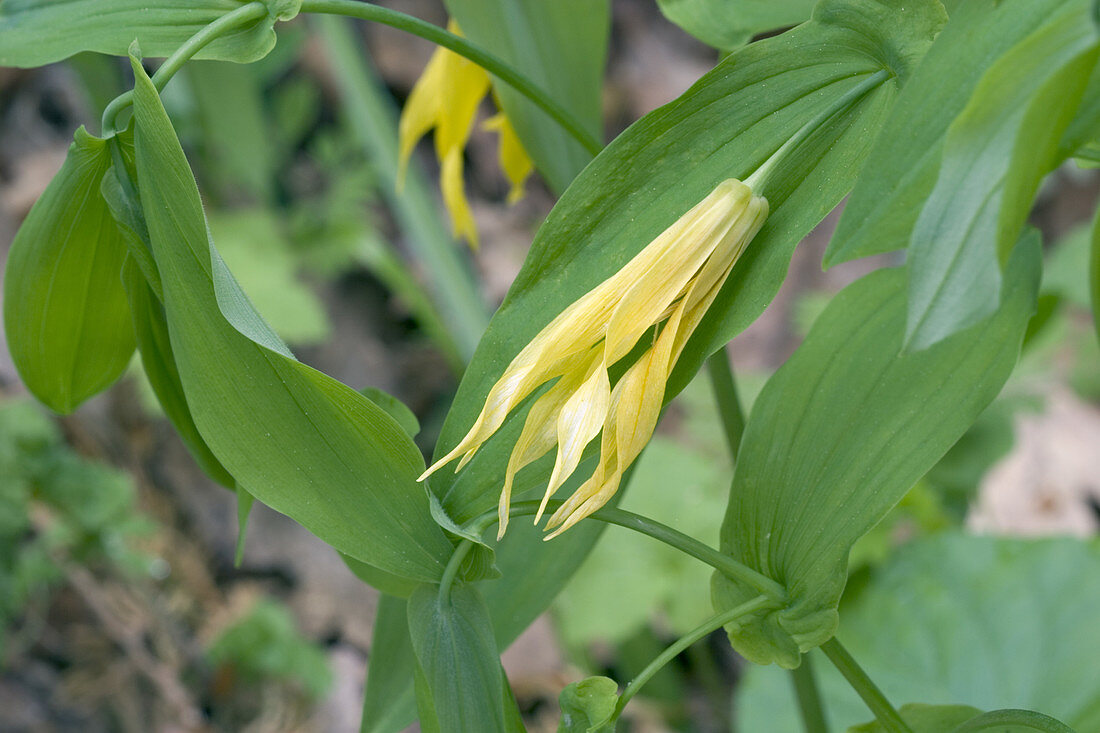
(301, 442)
(38, 32)
(838, 436)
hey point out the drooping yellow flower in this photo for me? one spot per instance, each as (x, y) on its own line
(660, 295)
(446, 98)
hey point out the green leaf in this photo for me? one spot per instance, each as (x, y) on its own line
(561, 46)
(245, 501)
(925, 718)
(725, 126)
(587, 705)
(396, 409)
(982, 621)
(884, 205)
(454, 645)
(65, 312)
(840, 433)
(303, 443)
(389, 704)
(39, 32)
(994, 155)
(727, 24)
(155, 348)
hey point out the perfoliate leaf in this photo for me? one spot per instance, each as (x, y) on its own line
(587, 705)
(301, 442)
(66, 317)
(389, 704)
(562, 46)
(994, 155)
(727, 24)
(454, 646)
(838, 436)
(951, 620)
(39, 32)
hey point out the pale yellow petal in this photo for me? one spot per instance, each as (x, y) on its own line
(422, 111)
(454, 197)
(579, 421)
(514, 161)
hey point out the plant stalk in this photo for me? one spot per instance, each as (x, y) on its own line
(727, 400)
(809, 698)
(884, 712)
(218, 28)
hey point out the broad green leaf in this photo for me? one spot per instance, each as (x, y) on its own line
(562, 46)
(994, 155)
(397, 409)
(39, 32)
(925, 718)
(388, 583)
(727, 24)
(389, 704)
(884, 205)
(586, 706)
(454, 646)
(954, 620)
(155, 348)
(301, 442)
(65, 313)
(725, 126)
(840, 433)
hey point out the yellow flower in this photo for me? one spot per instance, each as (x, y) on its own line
(446, 97)
(665, 289)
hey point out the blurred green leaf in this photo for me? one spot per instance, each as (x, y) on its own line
(727, 24)
(1094, 272)
(454, 645)
(982, 621)
(562, 47)
(265, 644)
(840, 434)
(301, 442)
(39, 32)
(925, 718)
(252, 243)
(66, 318)
(238, 144)
(886, 201)
(994, 155)
(587, 705)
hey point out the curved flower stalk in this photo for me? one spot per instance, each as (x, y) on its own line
(661, 294)
(446, 98)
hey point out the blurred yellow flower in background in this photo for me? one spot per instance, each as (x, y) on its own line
(446, 98)
(662, 294)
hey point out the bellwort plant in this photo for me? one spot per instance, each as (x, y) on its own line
(936, 127)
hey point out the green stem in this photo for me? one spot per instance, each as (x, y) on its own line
(712, 624)
(1002, 719)
(451, 571)
(490, 62)
(760, 177)
(809, 699)
(729, 404)
(234, 19)
(663, 533)
(862, 684)
(371, 116)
